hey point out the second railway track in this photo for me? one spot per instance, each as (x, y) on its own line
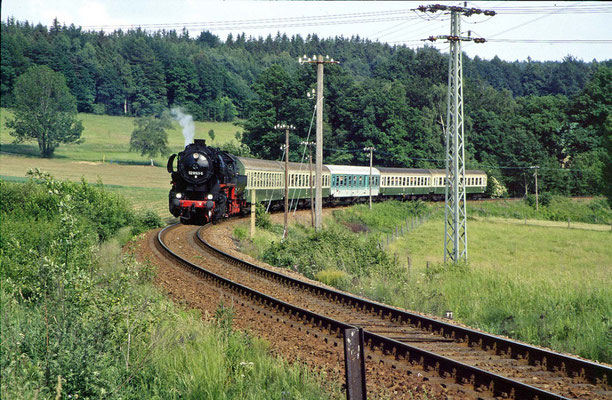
(461, 356)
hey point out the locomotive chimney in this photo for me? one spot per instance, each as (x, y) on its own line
(200, 142)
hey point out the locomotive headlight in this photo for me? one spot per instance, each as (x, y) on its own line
(209, 197)
(196, 155)
(179, 195)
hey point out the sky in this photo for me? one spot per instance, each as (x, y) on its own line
(391, 22)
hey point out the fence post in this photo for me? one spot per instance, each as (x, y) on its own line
(253, 199)
(568, 223)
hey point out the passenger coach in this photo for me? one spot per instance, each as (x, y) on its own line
(353, 182)
(267, 179)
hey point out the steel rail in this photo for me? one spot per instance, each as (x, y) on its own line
(594, 373)
(445, 367)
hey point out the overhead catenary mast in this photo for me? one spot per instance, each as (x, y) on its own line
(455, 218)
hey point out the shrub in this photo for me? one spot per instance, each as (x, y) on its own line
(262, 218)
(240, 232)
(332, 277)
(331, 248)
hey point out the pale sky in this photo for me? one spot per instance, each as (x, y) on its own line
(391, 22)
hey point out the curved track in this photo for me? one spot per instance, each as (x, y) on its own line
(483, 362)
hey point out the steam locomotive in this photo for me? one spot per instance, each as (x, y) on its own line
(209, 184)
(206, 186)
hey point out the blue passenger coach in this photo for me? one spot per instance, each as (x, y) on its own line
(349, 181)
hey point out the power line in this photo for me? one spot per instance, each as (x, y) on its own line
(570, 9)
(384, 153)
(526, 41)
(553, 41)
(279, 22)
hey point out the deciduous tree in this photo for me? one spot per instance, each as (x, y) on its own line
(45, 110)
(150, 136)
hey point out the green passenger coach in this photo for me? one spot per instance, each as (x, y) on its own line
(345, 183)
(267, 179)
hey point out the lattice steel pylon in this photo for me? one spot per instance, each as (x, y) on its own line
(455, 231)
(455, 216)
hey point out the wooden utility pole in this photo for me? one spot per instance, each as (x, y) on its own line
(536, 185)
(370, 149)
(287, 128)
(320, 61)
(310, 144)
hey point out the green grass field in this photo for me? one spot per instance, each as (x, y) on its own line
(108, 138)
(544, 285)
(104, 156)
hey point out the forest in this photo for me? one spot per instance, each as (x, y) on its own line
(554, 115)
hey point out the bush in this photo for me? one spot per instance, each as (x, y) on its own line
(240, 232)
(333, 248)
(332, 277)
(262, 218)
(145, 220)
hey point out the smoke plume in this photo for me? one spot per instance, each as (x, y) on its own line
(186, 122)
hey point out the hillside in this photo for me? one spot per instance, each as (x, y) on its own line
(517, 115)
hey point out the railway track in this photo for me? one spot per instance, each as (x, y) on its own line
(460, 356)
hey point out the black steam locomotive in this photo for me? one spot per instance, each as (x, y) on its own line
(204, 184)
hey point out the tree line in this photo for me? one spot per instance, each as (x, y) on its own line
(517, 114)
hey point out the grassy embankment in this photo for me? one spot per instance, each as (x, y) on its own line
(549, 286)
(107, 139)
(80, 319)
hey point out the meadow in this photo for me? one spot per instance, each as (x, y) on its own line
(104, 156)
(549, 286)
(107, 139)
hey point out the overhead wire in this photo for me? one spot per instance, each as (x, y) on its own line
(304, 152)
(366, 17)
